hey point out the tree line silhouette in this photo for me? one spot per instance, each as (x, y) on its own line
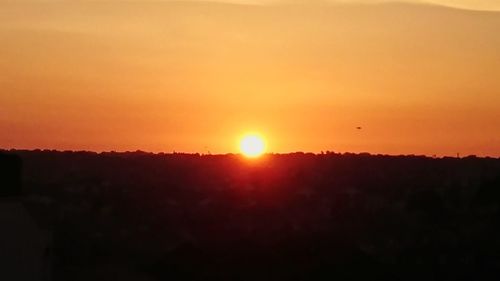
(299, 216)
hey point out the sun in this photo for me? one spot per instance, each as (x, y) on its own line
(252, 145)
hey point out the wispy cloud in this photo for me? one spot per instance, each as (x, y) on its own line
(487, 5)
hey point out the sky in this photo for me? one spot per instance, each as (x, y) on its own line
(194, 76)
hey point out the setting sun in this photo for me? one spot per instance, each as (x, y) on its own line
(252, 145)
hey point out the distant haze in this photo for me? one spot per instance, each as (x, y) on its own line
(194, 76)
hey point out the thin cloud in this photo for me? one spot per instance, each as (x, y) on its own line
(485, 5)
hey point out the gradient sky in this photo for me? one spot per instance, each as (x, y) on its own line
(194, 76)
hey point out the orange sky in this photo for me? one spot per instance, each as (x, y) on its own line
(195, 76)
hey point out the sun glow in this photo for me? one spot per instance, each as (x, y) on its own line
(252, 145)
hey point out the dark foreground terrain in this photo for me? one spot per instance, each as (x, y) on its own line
(139, 216)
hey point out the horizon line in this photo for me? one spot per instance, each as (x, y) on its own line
(174, 152)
